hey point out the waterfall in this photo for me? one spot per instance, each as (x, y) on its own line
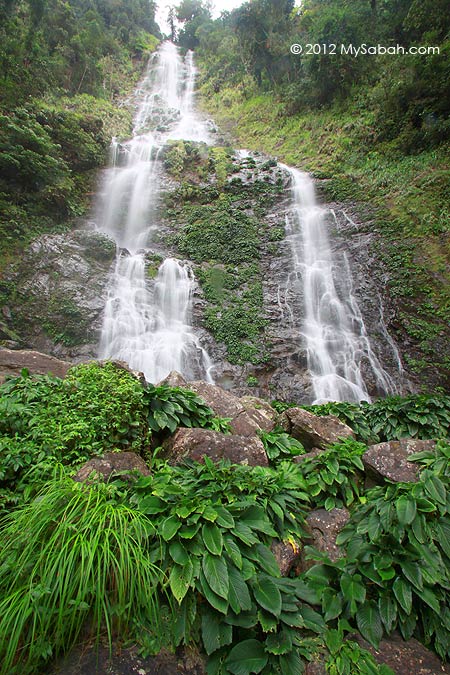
(146, 324)
(339, 352)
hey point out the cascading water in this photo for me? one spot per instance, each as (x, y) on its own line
(150, 327)
(337, 345)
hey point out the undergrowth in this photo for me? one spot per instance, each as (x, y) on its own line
(185, 555)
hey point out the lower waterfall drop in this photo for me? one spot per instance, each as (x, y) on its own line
(150, 329)
(337, 344)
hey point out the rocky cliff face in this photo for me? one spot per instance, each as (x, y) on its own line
(58, 294)
(226, 214)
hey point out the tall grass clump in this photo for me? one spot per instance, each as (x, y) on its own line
(74, 558)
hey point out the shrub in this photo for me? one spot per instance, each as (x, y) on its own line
(75, 553)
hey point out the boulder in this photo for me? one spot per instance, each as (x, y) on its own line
(112, 463)
(195, 444)
(405, 658)
(174, 379)
(324, 526)
(298, 459)
(245, 421)
(253, 403)
(287, 554)
(390, 460)
(312, 430)
(13, 361)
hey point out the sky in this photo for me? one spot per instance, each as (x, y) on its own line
(218, 7)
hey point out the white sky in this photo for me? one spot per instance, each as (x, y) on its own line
(218, 7)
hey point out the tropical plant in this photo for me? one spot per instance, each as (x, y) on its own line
(334, 477)
(170, 407)
(279, 445)
(74, 555)
(396, 571)
(215, 524)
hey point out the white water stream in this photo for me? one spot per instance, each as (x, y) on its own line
(337, 345)
(149, 325)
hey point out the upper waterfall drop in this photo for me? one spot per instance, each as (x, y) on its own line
(149, 325)
(337, 343)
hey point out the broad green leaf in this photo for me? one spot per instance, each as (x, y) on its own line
(151, 505)
(413, 573)
(267, 595)
(369, 623)
(216, 574)
(224, 517)
(352, 588)
(402, 592)
(247, 657)
(263, 555)
(215, 632)
(332, 607)
(221, 604)
(312, 619)
(267, 621)
(428, 596)
(333, 640)
(244, 533)
(212, 537)
(210, 513)
(178, 553)
(170, 527)
(189, 531)
(180, 579)
(436, 489)
(238, 593)
(291, 664)
(279, 643)
(233, 551)
(406, 509)
(388, 611)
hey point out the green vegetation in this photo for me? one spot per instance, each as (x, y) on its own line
(75, 553)
(183, 556)
(391, 418)
(221, 227)
(375, 128)
(396, 571)
(63, 67)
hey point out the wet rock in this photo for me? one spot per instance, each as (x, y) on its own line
(313, 431)
(324, 526)
(111, 463)
(390, 460)
(261, 411)
(174, 379)
(405, 658)
(60, 288)
(244, 421)
(298, 459)
(12, 361)
(195, 444)
(287, 554)
(222, 402)
(126, 661)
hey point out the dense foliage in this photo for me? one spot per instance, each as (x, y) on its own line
(185, 554)
(388, 419)
(62, 66)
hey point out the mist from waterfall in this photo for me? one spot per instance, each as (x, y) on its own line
(339, 352)
(149, 325)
